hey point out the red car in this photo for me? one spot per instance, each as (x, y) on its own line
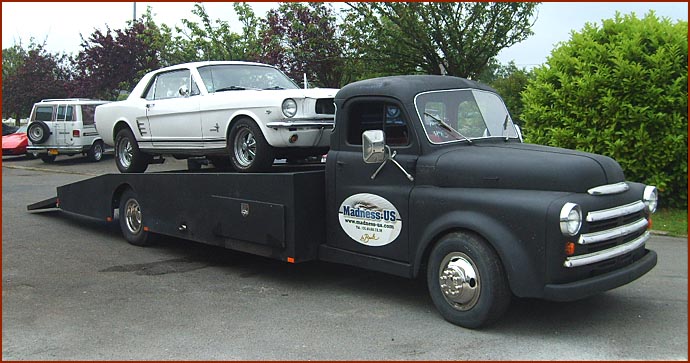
(15, 142)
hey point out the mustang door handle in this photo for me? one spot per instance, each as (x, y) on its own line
(215, 128)
(149, 105)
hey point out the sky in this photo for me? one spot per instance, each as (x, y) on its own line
(61, 23)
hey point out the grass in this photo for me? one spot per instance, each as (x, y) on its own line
(673, 221)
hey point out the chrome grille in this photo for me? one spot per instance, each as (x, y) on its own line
(611, 233)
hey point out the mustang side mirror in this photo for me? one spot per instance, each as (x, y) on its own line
(373, 146)
(183, 91)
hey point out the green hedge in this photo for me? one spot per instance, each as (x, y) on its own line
(619, 89)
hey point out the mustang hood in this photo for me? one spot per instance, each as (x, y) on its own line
(307, 93)
(525, 166)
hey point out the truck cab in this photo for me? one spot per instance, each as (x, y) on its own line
(429, 175)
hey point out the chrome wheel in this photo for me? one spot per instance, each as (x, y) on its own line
(245, 147)
(133, 216)
(97, 152)
(36, 133)
(459, 280)
(125, 152)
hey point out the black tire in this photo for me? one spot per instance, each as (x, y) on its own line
(249, 151)
(38, 132)
(95, 153)
(47, 158)
(476, 291)
(31, 155)
(128, 158)
(132, 220)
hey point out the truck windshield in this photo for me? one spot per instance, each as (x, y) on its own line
(463, 115)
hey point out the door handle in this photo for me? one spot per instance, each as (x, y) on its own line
(149, 105)
(215, 128)
(340, 163)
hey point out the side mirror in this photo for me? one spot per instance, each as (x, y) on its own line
(183, 91)
(373, 146)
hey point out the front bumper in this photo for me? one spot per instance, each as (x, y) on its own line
(597, 284)
(62, 150)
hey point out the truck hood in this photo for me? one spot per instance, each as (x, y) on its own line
(525, 166)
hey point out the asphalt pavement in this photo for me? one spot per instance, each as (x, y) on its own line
(73, 289)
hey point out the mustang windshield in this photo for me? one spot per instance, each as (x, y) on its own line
(463, 115)
(231, 77)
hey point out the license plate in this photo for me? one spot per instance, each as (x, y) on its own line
(52, 151)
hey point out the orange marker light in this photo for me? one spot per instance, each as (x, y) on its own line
(146, 229)
(108, 219)
(569, 248)
(649, 222)
(291, 259)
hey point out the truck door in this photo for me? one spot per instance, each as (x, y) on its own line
(373, 214)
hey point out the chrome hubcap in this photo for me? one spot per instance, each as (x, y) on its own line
(36, 133)
(97, 151)
(133, 216)
(459, 281)
(124, 152)
(245, 147)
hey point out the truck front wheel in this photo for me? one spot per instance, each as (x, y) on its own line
(132, 220)
(466, 281)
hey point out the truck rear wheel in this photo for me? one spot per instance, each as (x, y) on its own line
(132, 220)
(249, 151)
(466, 281)
(128, 157)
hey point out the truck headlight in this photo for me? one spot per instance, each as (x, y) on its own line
(650, 197)
(289, 107)
(571, 219)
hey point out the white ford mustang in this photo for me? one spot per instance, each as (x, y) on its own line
(237, 114)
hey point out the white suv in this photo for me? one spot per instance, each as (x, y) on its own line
(64, 127)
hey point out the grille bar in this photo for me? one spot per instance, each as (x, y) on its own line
(616, 212)
(612, 233)
(602, 255)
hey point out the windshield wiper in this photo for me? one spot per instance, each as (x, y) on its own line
(274, 87)
(447, 127)
(231, 88)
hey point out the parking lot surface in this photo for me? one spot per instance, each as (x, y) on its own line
(73, 289)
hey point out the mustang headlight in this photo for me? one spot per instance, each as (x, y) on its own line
(289, 107)
(650, 197)
(571, 219)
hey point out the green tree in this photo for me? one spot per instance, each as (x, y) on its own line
(619, 89)
(457, 38)
(509, 81)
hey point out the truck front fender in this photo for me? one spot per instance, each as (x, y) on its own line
(522, 270)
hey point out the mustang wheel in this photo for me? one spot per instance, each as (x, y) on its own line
(38, 132)
(249, 151)
(127, 155)
(132, 220)
(95, 153)
(466, 281)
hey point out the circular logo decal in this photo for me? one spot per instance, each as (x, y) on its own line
(370, 219)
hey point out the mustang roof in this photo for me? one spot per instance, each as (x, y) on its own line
(406, 87)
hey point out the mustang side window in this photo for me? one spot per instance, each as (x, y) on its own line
(377, 115)
(167, 85)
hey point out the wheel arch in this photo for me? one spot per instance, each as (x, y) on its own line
(523, 276)
(251, 116)
(117, 194)
(121, 125)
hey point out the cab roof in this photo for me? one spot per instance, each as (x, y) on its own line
(405, 88)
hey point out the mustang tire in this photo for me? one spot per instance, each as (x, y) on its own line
(132, 220)
(127, 155)
(249, 151)
(466, 280)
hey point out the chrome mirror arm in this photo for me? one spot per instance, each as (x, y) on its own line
(391, 157)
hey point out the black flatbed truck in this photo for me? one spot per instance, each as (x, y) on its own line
(411, 186)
